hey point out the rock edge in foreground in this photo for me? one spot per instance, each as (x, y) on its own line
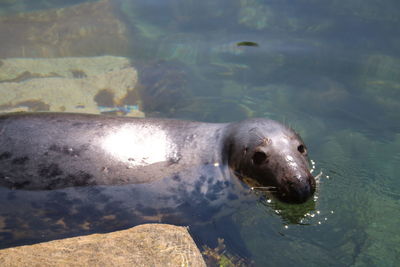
(143, 245)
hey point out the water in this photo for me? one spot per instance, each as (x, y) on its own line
(330, 69)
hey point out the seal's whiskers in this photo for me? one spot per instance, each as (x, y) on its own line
(318, 175)
(264, 188)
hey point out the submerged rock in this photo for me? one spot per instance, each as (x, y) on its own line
(11, 69)
(87, 85)
(163, 87)
(255, 15)
(143, 245)
(369, 196)
(88, 29)
(380, 80)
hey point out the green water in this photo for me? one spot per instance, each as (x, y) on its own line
(330, 69)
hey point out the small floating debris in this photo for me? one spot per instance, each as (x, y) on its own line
(247, 43)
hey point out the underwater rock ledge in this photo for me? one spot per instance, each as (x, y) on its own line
(88, 29)
(73, 84)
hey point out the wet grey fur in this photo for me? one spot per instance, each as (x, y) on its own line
(44, 151)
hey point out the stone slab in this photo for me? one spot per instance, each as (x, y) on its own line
(73, 84)
(143, 245)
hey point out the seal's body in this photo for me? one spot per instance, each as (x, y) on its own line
(46, 151)
(67, 174)
(52, 151)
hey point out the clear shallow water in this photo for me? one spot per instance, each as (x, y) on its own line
(327, 68)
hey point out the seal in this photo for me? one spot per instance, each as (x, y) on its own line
(63, 175)
(46, 151)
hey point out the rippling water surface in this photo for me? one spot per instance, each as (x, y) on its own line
(330, 69)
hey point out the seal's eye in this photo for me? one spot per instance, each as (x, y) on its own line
(301, 149)
(259, 157)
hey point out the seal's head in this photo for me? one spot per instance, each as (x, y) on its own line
(273, 156)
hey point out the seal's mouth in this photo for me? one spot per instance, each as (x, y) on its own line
(296, 190)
